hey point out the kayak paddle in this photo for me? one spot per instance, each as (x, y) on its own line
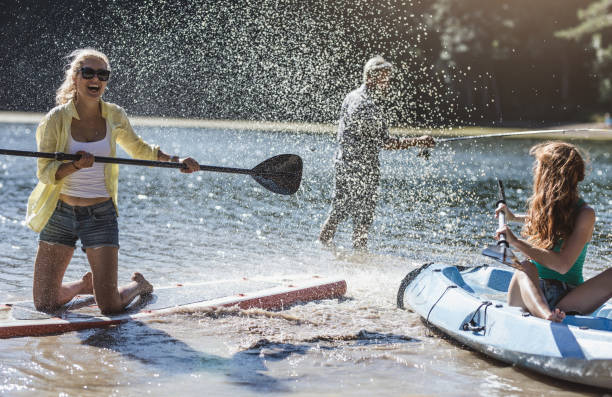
(280, 174)
(502, 252)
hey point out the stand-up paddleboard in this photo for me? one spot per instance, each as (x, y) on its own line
(22, 319)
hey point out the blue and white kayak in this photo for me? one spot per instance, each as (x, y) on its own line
(469, 305)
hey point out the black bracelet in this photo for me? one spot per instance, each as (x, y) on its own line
(74, 165)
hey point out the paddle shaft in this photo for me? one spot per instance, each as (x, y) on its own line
(426, 153)
(501, 252)
(116, 160)
(534, 132)
(281, 174)
(502, 214)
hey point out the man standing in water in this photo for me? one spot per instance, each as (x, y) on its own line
(362, 133)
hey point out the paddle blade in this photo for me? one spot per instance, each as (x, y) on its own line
(502, 254)
(280, 174)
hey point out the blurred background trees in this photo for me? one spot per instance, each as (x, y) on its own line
(458, 62)
(595, 30)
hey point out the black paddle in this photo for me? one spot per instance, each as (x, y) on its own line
(501, 252)
(280, 174)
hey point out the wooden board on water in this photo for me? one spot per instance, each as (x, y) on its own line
(22, 319)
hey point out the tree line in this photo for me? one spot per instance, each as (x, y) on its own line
(457, 62)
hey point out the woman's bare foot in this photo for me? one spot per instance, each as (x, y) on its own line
(556, 316)
(87, 287)
(144, 287)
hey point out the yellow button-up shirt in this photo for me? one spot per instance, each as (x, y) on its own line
(52, 136)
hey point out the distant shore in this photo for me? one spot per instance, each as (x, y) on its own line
(602, 132)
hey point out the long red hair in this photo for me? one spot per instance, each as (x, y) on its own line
(552, 208)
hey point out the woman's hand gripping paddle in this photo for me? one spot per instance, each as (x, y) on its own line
(280, 174)
(501, 252)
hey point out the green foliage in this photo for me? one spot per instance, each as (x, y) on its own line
(594, 19)
(506, 55)
(595, 30)
(457, 62)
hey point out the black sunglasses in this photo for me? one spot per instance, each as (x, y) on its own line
(89, 73)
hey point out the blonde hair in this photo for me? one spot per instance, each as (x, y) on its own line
(552, 208)
(67, 90)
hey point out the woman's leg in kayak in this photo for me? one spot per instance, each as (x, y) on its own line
(524, 291)
(589, 295)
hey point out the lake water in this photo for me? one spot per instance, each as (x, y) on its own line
(186, 228)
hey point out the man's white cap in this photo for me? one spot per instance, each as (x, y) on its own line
(374, 65)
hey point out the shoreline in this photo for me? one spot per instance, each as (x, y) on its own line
(602, 134)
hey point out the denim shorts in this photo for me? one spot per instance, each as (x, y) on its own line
(554, 291)
(95, 225)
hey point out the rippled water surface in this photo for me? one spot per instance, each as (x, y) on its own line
(207, 226)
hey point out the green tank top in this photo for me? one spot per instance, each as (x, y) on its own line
(574, 275)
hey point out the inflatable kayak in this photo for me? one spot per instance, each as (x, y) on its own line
(469, 305)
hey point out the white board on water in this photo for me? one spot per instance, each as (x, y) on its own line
(22, 319)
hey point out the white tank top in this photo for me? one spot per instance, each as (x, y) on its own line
(88, 182)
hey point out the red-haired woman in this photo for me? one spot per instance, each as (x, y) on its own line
(78, 200)
(557, 229)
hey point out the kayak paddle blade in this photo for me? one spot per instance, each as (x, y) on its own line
(280, 174)
(502, 254)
